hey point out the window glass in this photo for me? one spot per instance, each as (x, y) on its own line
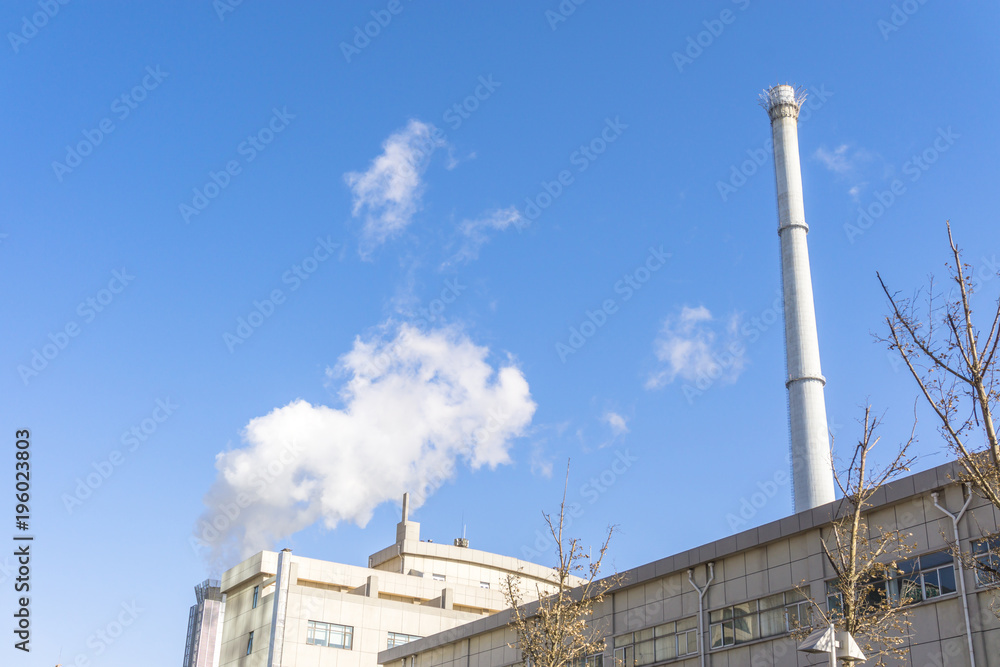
(946, 579)
(928, 561)
(399, 638)
(727, 633)
(772, 622)
(329, 634)
(716, 636)
(644, 654)
(665, 629)
(745, 628)
(643, 635)
(624, 640)
(987, 553)
(932, 589)
(687, 623)
(666, 648)
(772, 601)
(793, 596)
(687, 643)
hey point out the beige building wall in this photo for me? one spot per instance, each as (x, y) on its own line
(769, 561)
(442, 587)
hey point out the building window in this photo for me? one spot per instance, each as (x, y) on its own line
(663, 642)
(256, 593)
(588, 661)
(437, 577)
(766, 617)
(484, 584)
(987, 555)
(330, 634)
(250, 643)
(913, 580)
(398, 639)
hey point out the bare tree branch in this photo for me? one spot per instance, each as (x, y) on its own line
(556, 631)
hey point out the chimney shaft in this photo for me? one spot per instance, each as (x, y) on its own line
(812, 472)
(406, 507)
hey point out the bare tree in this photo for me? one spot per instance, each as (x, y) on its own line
(954, 365)
(555, 632)
(870, 604)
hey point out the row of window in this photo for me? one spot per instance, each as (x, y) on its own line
(342, 636)
(766, 617)
(664, 642)
(915, 580)
(398, 639)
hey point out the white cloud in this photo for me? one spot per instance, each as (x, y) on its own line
(691, 348)
(389, 193)
(541, 464)
(843, 160)
(855, 191)
(414, 406)
(616, 422)
(475, 233)
(836, 161)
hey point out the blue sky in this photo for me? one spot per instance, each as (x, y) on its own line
(420, 221)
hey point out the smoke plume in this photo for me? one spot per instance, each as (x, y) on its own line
(413, 407)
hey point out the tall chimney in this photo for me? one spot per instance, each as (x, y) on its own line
(812, 471)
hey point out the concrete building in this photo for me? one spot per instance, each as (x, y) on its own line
(285, 609)
(749, 595)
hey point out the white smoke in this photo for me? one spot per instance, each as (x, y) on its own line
(413, 407)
